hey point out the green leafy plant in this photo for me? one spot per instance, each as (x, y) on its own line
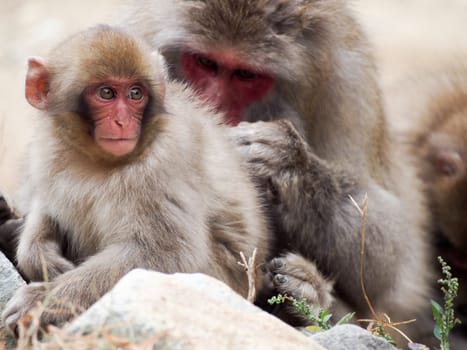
(318, 317)
(444, 315)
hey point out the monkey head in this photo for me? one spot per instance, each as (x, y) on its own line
(245, 58)
(446, 178)
(97, 97)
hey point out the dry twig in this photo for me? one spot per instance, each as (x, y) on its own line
(383, 321)
(250, 269)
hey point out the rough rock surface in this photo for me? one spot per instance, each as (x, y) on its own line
(349, 336)
(177, 312)
(10, 280)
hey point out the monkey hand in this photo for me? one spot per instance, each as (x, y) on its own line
(22, 303)
(5, 211)
(296, 277)
(9, 229)
(275, 152)
(9, 235)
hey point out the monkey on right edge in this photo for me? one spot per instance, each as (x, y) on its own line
(429, 113)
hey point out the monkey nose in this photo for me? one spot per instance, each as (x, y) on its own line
(122, 122)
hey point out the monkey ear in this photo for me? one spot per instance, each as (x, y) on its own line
(37, 83)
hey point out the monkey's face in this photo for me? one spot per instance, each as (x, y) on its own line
(116, 107)
(225, 82)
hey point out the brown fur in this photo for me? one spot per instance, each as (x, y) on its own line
(179, 203)
(335, 143)
(429, 112)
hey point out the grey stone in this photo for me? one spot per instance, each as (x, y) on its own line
(350, 337)
(186, 311)
(10, 280)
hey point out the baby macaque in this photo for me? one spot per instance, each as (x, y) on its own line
(126, 171)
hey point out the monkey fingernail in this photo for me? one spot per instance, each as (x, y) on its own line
(280, 279)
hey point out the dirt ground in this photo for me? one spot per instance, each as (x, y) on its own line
(409, 36)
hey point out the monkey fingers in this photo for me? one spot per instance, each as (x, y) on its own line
(273, 150)
(24, 300)
(276, 155)
(298, 277)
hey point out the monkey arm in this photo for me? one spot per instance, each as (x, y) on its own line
(314, 216)
(40, 249)
(75, 290)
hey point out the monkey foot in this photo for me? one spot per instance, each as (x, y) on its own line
(297, 277)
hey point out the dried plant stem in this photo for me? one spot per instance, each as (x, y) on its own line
(250, 269)
(384, 321)
(363, 211)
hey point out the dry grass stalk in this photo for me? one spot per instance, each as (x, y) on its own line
(250, 269)
(383, 321)
(102, 337)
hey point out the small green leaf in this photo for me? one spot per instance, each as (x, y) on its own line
(436, 306)
(278, 299)
(437, 311)
(327, 318)
(314, 329)
(346, 318)
(437, 332)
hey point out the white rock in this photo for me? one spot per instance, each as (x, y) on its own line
(187, 311)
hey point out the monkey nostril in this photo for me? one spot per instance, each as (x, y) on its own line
(121, 123)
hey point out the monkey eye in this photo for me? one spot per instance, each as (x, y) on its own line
(207, 63)
(245, 74)
(106, 93)
(136, 93)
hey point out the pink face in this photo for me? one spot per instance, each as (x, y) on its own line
(116, 107)
(224, 82)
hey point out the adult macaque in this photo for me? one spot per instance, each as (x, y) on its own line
(304, 67)
(434, 124)
(126, 171)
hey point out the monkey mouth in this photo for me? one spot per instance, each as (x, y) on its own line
(118, 146)
(112, 139)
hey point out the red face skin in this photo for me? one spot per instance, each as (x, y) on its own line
(224, 82)
(117, 107)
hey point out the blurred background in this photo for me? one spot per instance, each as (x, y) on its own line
(408, 36)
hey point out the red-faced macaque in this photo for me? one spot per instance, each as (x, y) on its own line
(126, 171)
(430, 113)
(303, 72)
